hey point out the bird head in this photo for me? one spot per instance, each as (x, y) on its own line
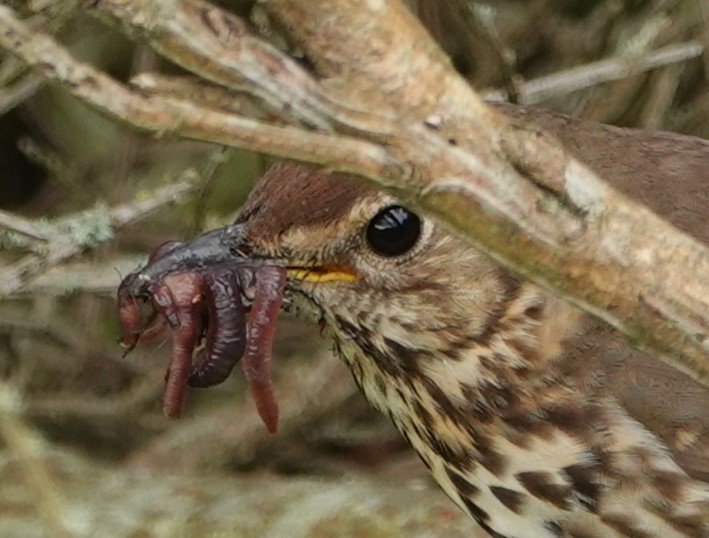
(357, 256)
(353, 253)
(401, 296)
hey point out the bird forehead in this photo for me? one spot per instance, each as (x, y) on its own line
(304, 205)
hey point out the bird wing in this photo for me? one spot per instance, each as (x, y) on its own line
(668, 403)
(669, 173)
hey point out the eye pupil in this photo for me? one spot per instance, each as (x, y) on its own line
(393, 231)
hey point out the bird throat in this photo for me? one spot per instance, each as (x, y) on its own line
(451, 403)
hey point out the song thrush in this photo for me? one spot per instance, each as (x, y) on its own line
(534, 417)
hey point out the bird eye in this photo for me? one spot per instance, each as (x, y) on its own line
(393, 231)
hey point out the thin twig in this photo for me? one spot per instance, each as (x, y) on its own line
(483, 17)
(19, 225)
(215, 160)
(94, 277)
(20, 91)
(175, 193)
(76, 233)
(191, 89)
(608, 70)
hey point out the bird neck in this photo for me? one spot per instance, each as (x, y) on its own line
(450, 406)
(473, 370)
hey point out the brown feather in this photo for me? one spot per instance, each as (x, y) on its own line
(530, 413)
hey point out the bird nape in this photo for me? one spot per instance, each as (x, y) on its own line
(535, 418)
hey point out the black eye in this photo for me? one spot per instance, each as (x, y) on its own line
(393, 231)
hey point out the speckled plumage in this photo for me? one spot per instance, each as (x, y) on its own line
(534, 417)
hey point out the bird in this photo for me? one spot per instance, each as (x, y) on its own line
(536, 418)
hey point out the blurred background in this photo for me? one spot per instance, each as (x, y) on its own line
(84, 448)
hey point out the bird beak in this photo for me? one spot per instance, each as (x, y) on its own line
(227, 246)
(217, 248)
(320, 274)
(230, 246)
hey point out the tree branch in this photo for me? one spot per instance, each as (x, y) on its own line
(606, 70)
(73, 234)
(510, 189)
(555, 222)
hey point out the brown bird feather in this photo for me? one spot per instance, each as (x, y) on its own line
(536, 418)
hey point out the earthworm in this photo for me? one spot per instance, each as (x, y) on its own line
(270, 281)
(202, 289)
(179, 295)
(226, 330)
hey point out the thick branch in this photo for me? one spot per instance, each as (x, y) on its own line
(163, 115)
(562, 227)
(221, 50)
(511, 190)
